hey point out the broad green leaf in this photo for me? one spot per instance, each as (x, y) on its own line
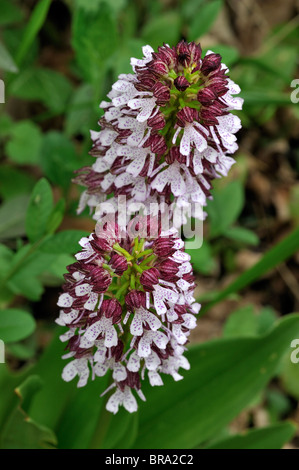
(15, 324)
(59, 158)
(6, 61)
(34, 24)
(202, 259)
(27, 267)
(277, 403)
(40, 84)
(39, 210)
(225, 207)
(271, 437)
(241, 234)
(162, 28)
(264, 97)
(202, 22)
(224, 378)
(81, 112)
(14, 182)
(94, 39)
(276, 255)
(25, 142)
(64, 242)
(56, 216)
(10, 12)
(12, 217)
(242, 322)
(20, 431)
(289, 373)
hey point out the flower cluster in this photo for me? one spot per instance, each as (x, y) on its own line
(167, 132)
(128, 303)
(129, 308)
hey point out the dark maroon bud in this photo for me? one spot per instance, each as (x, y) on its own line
(210, 63)
(161, 92)
(157, 122)
(206, 96)
(157, 143)
(181, 83)
(73, 343)
(173, 155)
(219, 85)
(111, 308)
(163, 247)
(185, 115)
(195, 51)
(166, 54)
(100, 279)
(159, 67)
(82, 352)
(208, 117)
(168, 270)
(117, 351)
(183, 52)
(118, 263)
(180, 309)
(135, 299)
(149, 278)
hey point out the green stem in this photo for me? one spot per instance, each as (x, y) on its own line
(102, 424)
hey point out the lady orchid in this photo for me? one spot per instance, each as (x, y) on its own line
(167, 130)
(128, 301)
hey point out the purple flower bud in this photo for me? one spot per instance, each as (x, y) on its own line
(210, 63)
(159, 67)
(157, 143)
(181, 83)
(195, 51)
(206, 95)
(168, 270)
(111, 308)
(118, 263)
(157, 122)
(161, 92)
(183, 52)
(149, 278)
(185, 115)
(163, 247)
(100, 279)
(135, 299)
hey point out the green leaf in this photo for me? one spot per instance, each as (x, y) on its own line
(225, 208)
(64, 242)
(271, 437)
(81, 112)
(289, 373)
(202, 259)
(94, 39)
(40, 84)
(202, 22)
(10, 12)
(241, 234)
(20, 431)
(25, 143)
(39, 210)
(15, 324)
(241, 323)
(12, 217)
(14, 182)
(6, 61)
(264, 97)
(56, 216)
(162, 28)
(276, 255)
(225, 376)
(35, 23)
(59, 158)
